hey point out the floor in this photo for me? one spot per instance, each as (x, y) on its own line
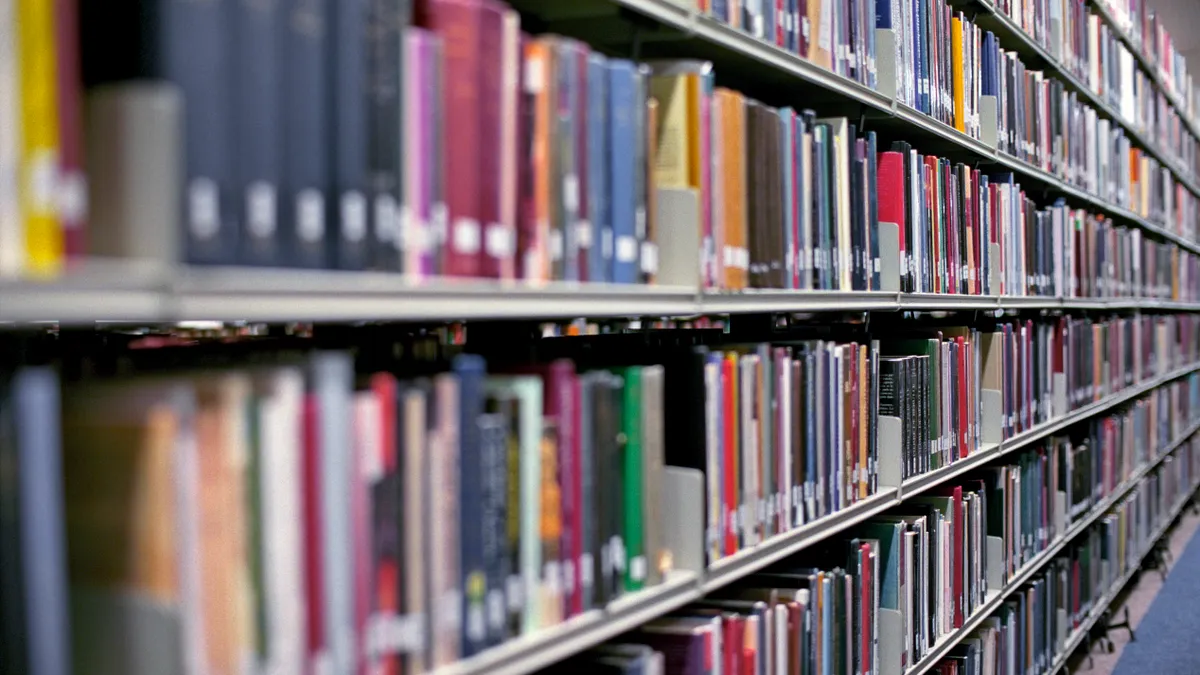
(1137, 599)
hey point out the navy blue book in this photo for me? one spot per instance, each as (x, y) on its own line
(305, 125)
(347, 209)
(599, 208)
(471, 372)
(494, 429)
(254, 73)
(384, 37)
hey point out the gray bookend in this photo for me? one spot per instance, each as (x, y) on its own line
(683, 490)
(988, 121)
(888, 72)
(995, 563)
(678, 224)
(1059, 389)
(891, 456)
(135, 143)
(993, 254)
(891, 639)
(889, 256)
(993, 416)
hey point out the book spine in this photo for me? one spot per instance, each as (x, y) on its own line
(383, 38)
(494, 253)
(72, 182)
(347, 206)
(254, 73)
(305, 175)
(622, 169)
(12, 228)
(460, 24)
(195, 51)
(470, 370)
(598, 206)
(40, 143)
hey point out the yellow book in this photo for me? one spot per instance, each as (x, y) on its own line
(673, 157)
(956, 59)
(39, 142)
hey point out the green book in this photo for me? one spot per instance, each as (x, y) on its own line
(631, 479)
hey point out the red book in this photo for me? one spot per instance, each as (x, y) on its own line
(314, 586)
(959, 517)
(961, 374)
(72, 183)
(460, 24)
(890, 190)
(729, 377)
(493, 249)
(386, 549)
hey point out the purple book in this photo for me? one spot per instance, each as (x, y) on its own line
(423, 182)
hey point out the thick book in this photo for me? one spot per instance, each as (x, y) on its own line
(305, 123)
(256, 35)
(460, 21)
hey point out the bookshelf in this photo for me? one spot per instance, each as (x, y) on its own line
(103, 293)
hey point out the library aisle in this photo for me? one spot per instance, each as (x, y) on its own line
(1164, 615)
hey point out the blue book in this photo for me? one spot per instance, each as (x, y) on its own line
(720, 10)
(600, 252)
(347, 209)
(767, 8)
(786, 115)
(471, 371)
(922, 32)
(254, 72)
(305, 121)
(622, 159)
(383, 37)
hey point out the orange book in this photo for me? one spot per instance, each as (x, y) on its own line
(736, 254)
(539, 82)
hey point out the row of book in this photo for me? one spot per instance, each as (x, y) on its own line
(1032, 628)
(792, 432)
(1142, 25)
(1083, 44)
(943, 65)
(895, 587)
(292, 515)
(785, 199)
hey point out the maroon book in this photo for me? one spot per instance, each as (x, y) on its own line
(460, 25)
(72, 187)
(495, 249)
(526, 202)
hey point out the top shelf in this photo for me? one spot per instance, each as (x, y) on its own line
(733, 50)
(1151, 69)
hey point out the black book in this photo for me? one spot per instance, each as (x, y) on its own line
(255, 76)
(348, 209)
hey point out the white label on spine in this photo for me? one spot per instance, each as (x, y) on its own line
(534, 77)
(637, 568)
(354, 216)
(514, 593)
(626, 249)
(466, 235)
(476, 628)
(260, 209)
(571, 193)
(568, 576)
(649, 257)
(498, 241)
(385, 218)
(450, 610)
(404, 227)
(495, 609)
(203, 206)
(618, 548)
(73, 198)
(310, 215)
(556, 245)
(586, 570)
(583, 233)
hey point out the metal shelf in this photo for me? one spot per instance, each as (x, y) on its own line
(114, 292)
